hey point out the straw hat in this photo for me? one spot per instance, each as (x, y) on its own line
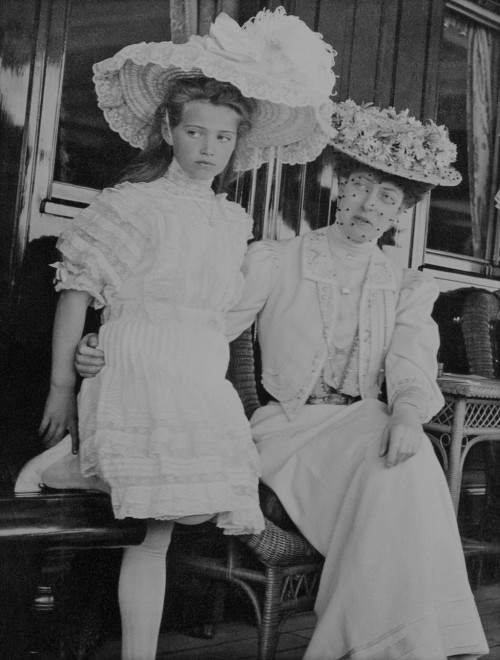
(274, 58)
(394, 142)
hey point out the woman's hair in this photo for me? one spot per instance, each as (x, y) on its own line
(152, 161)
(413, 191)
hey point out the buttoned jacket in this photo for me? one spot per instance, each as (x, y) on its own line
(292, 287)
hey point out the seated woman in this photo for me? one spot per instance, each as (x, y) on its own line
(337, 319)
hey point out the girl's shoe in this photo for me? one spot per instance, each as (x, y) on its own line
(30, 478)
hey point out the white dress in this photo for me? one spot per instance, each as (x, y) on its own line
(160, 423)
(394, 584)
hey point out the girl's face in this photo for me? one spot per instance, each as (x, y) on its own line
(368, 206)
(205, 139)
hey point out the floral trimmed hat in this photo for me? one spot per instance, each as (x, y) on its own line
(394, 142)
(274, 59)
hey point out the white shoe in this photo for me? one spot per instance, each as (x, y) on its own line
(30, 479)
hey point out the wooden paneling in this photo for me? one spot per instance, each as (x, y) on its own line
(18, 21)
(387, 55)
(412, 56)
(387, 50)
(335, 22)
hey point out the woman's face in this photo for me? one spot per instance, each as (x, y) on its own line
(205, 139)
(367, 206)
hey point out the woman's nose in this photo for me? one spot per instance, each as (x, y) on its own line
(370, 199)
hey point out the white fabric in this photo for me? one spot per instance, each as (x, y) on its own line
(394, 584)
(160, 423)
(292, 286)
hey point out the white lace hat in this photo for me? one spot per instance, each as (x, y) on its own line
(394, 142)
(274, 58)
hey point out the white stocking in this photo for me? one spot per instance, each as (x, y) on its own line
(141, 592)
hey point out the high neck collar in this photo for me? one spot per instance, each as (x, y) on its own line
(342, 246)
(185, 185)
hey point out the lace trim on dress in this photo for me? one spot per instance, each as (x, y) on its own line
(182, 185)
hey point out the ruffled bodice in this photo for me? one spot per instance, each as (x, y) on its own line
(171, 246)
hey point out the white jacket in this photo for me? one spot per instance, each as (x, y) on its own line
(290, 285)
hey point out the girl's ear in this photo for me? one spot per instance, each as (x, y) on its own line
(165, 131)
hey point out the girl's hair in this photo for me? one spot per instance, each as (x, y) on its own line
(413, 191)
(152, 161)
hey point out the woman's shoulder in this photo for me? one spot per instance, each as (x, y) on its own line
(418, 287)
(413, 279)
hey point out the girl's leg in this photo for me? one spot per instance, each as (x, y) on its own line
(141, 591)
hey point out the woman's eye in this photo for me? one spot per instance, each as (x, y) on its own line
(388, 198)
(192, 133)
(360, 186)
(225, 138)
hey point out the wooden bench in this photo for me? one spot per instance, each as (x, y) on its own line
(43, 536)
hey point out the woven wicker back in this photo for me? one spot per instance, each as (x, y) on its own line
(480, 330)
(241, 371)
(447, 313)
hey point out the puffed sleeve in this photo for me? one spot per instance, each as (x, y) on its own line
(260, 269)
(106, 242)
(411, 362)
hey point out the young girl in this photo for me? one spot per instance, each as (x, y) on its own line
(160, 428)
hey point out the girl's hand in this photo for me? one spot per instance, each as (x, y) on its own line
(402, 436)
(60, 416)
(89, 360)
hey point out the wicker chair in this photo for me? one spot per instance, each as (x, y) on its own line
(469, 324)
(278, 569)
(480, 330)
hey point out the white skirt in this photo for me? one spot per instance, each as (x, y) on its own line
(394, 584)
(163, 427)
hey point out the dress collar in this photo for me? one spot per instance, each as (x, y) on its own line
(319, 265)
(183, 185)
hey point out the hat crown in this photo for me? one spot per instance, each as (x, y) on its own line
(395, 142)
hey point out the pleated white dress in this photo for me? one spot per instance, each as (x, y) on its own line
(160, 423)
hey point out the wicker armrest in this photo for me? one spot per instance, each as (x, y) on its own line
(276, 547)
(470, 386)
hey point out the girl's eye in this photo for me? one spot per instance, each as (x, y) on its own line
(225, 138)
(193, 133)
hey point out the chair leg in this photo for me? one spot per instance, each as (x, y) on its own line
(217, 596)
(269, 627)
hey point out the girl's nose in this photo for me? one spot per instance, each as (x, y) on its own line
(208, 148)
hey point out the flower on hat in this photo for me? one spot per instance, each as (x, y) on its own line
(395, 142)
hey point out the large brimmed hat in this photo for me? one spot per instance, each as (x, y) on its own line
(274, 58)
(394, 142)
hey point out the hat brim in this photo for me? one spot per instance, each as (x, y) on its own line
(131, 85)
(448, 176)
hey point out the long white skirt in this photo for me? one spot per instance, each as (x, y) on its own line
(394, 584)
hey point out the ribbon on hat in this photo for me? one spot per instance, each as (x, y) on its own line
(227, 39)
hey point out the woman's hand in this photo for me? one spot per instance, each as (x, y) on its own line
(89, 360)
(402, 436)
(60, 416)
